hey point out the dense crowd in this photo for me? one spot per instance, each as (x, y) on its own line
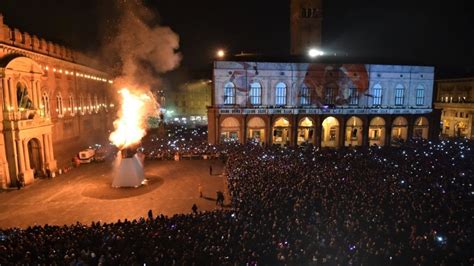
(409, 205)
(176, 139)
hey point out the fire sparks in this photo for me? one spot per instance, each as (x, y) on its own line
(130, 126)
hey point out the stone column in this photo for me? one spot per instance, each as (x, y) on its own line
(6, 95)
(13, 102)
(342, 131)
(244, 127)
(50, 144)
(318, 129)
(21, 158)
(294, 131)
(270, 130)
(388, 132)
(26, 154)
(45, 148)
(365, 132)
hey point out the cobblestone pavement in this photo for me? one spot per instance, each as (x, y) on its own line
(85, 194)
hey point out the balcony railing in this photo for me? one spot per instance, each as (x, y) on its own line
(323, 110)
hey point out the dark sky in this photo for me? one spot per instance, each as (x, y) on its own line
(432, 32)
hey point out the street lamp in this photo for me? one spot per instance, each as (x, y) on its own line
(313, 52)
(220, 53)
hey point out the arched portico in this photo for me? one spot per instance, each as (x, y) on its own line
(421, 128)
(256, 129)
(354, 132)
(281, 131)
(305, 131)
(377, 131)
(229, 129)
(330, 132)
(399, 130)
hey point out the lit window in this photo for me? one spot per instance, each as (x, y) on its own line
(353, 96)
(72, 106)
(399, 94)
(229, 93)
(45, 105)
(330, 96)
(280, 95)
(420, 95)
(377, 94)
(255, 93)
(59, 105)
(305, 95)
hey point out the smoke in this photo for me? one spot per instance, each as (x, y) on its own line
(139, 47)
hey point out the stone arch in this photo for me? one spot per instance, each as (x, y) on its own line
(35, 153)
(256, 129)
(399, 130)
(354, 131)
(330, 132)
(281, 131)
(377, 131)
(230, 129)
(281, 93)
(421, 128)
(229, 95)
(305, 131)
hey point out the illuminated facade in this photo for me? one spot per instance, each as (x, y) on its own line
(327, 105)
(455, 99)
(190, 101)
(53, 104)
(305, 25)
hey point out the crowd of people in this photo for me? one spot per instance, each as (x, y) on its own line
(407, 205)
(181, 141)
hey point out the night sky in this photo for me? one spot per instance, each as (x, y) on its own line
(419, 32)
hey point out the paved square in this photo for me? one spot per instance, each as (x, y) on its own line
(85, 194)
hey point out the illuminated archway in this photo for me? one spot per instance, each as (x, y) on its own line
(377, 131)
(230, 128)
(281, 132)
(305, 131)
(256, 129)
(421, 127)
(354, 132)
(330, 132)
(399, 130)
(460, 129)
(35, 158)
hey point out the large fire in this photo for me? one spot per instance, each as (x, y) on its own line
(130, 126)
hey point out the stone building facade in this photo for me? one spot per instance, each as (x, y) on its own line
(305, 25)
(455, 100)
(190, 100)
(53, 104)
(327, 105)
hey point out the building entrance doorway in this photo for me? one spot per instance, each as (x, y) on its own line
(34, 152)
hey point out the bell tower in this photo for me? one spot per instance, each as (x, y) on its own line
(305, 25)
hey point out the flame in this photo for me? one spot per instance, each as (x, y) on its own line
(130, 126)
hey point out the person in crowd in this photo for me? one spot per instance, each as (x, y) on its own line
(406, 205)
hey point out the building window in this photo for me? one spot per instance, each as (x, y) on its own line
(45, 105)
(82, 108)
(329, 96)
(229, 93)
(420, 95)
(305, 95)
(280, 95)
(72, 106)
(255, 93)
(377, 95)
(353, 96)
(59, 105)
(89, 104)
(399, 94)
(96, 104)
